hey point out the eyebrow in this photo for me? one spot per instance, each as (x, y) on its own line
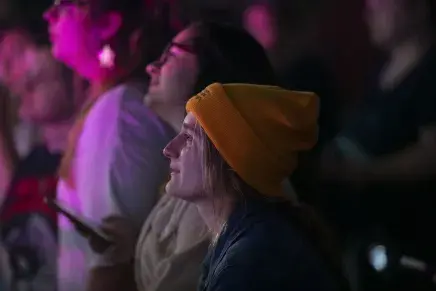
(188, 126)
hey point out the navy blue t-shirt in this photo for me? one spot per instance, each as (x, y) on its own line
(261, 249)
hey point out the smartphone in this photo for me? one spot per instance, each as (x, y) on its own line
(81, 223)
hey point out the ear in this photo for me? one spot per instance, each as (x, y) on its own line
(259, 22)
(109, 25)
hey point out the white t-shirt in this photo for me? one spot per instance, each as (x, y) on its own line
(119, 168)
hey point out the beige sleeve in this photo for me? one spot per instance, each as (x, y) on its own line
(184, 270)
(175, 262)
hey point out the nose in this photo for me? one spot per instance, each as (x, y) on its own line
(171, 151)
(153, 68)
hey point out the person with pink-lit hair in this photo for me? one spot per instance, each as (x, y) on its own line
(113, 163)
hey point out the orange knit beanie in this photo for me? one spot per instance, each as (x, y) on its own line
(258, 130)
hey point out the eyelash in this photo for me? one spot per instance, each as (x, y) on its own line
(187, 137)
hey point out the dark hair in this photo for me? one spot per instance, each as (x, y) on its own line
(26, 15)
(289, 15)
(227, 54)
(148, 17)
(187, 12)
(431, 5)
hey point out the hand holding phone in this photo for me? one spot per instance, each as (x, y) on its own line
(98, 239)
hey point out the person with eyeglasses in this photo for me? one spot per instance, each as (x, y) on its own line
(113, 163)
(174, 239)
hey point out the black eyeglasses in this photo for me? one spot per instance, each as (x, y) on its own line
(167, 52)
(183, 46)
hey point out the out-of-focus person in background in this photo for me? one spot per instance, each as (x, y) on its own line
(385, 160)
(46, 99)
(8, 161)
(174, 239)
(113, 164)
(8, 153)
(288, 30)
(25, 134)
(24, 14)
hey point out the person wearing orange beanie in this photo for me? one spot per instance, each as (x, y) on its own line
(238, 143)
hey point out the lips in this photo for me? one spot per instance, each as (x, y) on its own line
(173, 170)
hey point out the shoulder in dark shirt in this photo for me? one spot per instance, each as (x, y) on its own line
(261, 250)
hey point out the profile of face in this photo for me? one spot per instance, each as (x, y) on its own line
(389, 21)
(12, 48)
(42, 92)
(173, 76)
(185, 152)
(32, 75)
(76, 38)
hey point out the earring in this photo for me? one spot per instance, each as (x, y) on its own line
(106, 57)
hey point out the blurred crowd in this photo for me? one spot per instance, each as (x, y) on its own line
(113, 178)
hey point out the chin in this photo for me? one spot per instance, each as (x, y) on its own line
(183, 194)
(153, 95)
(55, 52)
(58, 54)
(170, 190)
